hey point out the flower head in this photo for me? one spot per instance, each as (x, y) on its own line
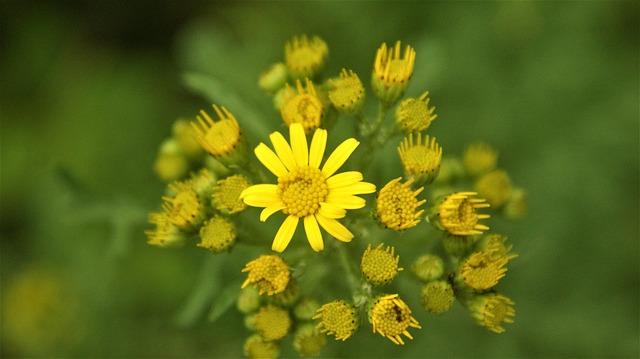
(456, 213)
(482, 270)
(479, 158)
(305, 191)
(414, 114)
(255, 347)
(273, 322)
(338, 318)
(305, 57)
(390, 316)
(397, 205)
(517, 206)
(428, 267)
(421, 161)
(308, 341)
(437, 296)
(184, 136)
(495, 243)
(222, 139)
(184, 209)
(491, 310)
(379, 266)
(347, 93)
(302, 106)
(226, 195)
(269, 273)
(391, 72)
(165, 234)
(217, 234)
(171, 164)
(495, 186)
(274, 78)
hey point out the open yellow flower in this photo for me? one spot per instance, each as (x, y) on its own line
(305, 191)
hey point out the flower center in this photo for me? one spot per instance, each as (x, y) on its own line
(302, 190)
(222, 137)
(467, 216)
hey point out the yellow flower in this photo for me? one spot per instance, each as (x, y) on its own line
(166, 234)
(390, 316)
(380, 266)
(338, 318)
(495, 186)
(226, 195)
(517, 206)
(184, 136)
(305, 57)
(437, 296)
(202, 183)
(479, 158)
(222, 139)
(302, 106)
(304, 190)
(347, 93)
(428, 267)
(217, 234)
(171, 164)
(456, 213)
(273, 322)
(255, 347)
(391, 73)
(269, 273)
(184, 209)
(482, 270)
(496, 243)
(491, 310)
(308, 341)
(421, 161)
(397, 204)
(414, 114)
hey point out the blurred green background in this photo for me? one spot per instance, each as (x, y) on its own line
(90, 89)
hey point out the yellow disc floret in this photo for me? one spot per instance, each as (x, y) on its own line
(184, 209)
(379, 266)
(347, 93)
(165, 234)
(302, 106)
(456, 213)
(437, 297)
(397, 205)
(226, 195)
(491, 310)
(255, 347)
(390, 316)
(302, 190)
(479, 158)
(482, 270)
(391, 72)
(337, 318)
(273, 322)
(414, 114)
(421, 161)
(269, 273)
(495, 186)
(305, 57)
(220, 139)
(308, 341)
(217, 234)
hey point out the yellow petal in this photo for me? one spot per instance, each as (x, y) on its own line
(268, 211)
(318, 144)
(313, 233)
(299, 144)
(344, 179)
(335, 228)
(344, 201)
(260, 188)
(339, 156)
(331, 211)
(283, 150)
(270, 160)
(355, 188)
(285, 233)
